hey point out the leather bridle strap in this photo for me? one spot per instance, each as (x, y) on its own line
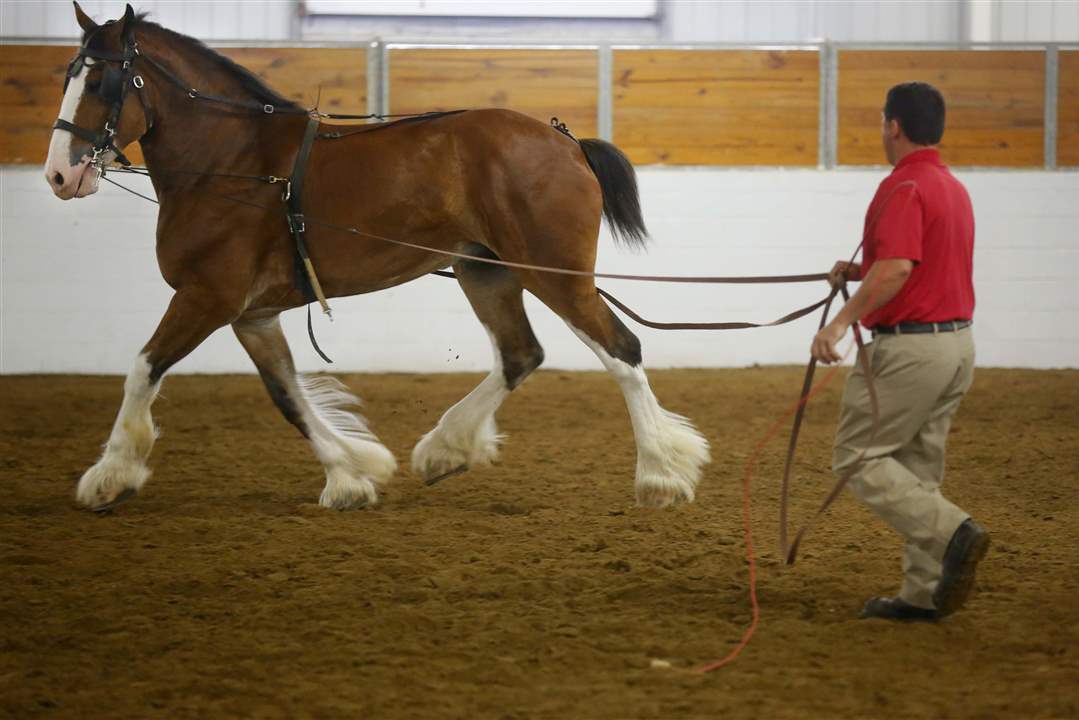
(103, 141)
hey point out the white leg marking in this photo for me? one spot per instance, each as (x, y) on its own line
(356, 463)
(670, 451)
(466, 435)
(123, 464)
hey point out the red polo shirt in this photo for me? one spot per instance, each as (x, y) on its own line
(922, 213)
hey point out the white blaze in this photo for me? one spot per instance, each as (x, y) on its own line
(59, 158)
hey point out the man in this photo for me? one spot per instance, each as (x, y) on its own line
(917, 298)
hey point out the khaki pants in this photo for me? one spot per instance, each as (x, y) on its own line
(920, 380)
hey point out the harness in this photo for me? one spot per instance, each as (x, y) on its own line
(306, 278)
(113, 90)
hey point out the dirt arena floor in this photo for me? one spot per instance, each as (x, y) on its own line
(531, 589)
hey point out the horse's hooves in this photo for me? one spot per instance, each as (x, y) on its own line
(451, 473)
(121, 498)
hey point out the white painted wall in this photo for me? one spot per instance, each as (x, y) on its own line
(204, 19)
(1036, 21)
(803, 20)
(80, 290)
(676, 21)
(738, 21)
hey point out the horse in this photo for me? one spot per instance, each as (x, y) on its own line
(487, 184)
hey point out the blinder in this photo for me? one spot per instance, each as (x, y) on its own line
(109, 88)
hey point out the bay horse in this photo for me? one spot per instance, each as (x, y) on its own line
(484, 183)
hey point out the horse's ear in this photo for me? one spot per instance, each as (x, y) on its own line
(84, 20)
(129, 16)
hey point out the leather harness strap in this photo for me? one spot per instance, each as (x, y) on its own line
(306, 277)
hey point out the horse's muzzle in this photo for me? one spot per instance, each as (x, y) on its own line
(74, 181)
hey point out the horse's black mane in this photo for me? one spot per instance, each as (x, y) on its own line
(251, 83)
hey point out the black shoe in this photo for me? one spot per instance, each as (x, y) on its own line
(897, 609)
(965, 550)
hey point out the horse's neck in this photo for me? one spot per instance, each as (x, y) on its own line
(201, 135)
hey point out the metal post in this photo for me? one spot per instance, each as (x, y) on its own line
(1052, 88)
(822, 107)
(828, 112)
(604, 100)
(384, 79)
(374, 77)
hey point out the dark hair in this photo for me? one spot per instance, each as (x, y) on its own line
(919, 108)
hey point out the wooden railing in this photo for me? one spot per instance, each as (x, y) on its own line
(814, 105)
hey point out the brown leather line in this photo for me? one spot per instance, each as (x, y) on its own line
(703, 279)
(802, 312)
(796, 427)
(790, 553)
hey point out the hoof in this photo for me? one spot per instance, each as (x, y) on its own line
(349, 493)
(118, 500)
(439, 455)
(451, 473)
(663, 492)
(111, 481)
(669, 470)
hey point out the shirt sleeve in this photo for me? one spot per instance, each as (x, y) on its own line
(898, 228)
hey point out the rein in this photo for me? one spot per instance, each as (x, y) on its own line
(789, 553)
(308, 280)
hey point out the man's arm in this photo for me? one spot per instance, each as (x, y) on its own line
(884, 281)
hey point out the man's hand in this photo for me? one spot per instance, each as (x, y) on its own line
(824, 342)
(843, 271)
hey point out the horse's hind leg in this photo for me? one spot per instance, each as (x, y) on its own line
(122, 470)
(466, 435)
(356, 463)
(670, 451)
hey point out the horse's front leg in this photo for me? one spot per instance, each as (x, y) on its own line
(357, 465)
(191, 316)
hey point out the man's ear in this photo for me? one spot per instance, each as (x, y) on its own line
(84, 20)
(893, 128)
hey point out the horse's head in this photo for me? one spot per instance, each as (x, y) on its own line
(101, 112)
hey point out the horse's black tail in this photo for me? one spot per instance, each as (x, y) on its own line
(617, 179)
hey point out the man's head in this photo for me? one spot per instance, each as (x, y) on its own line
(913, 118)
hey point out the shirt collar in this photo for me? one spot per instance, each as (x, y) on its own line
(930, 155)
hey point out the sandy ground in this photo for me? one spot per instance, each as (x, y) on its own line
(531, 589)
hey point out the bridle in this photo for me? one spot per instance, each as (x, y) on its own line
(113, 90)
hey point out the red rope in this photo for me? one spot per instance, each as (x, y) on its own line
(751, 466)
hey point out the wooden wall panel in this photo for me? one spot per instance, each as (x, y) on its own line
(540, 83)
(717, 107)
(995, 103)
(32, 79)
(31, 86)
(1068, 109)
(298, 73)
